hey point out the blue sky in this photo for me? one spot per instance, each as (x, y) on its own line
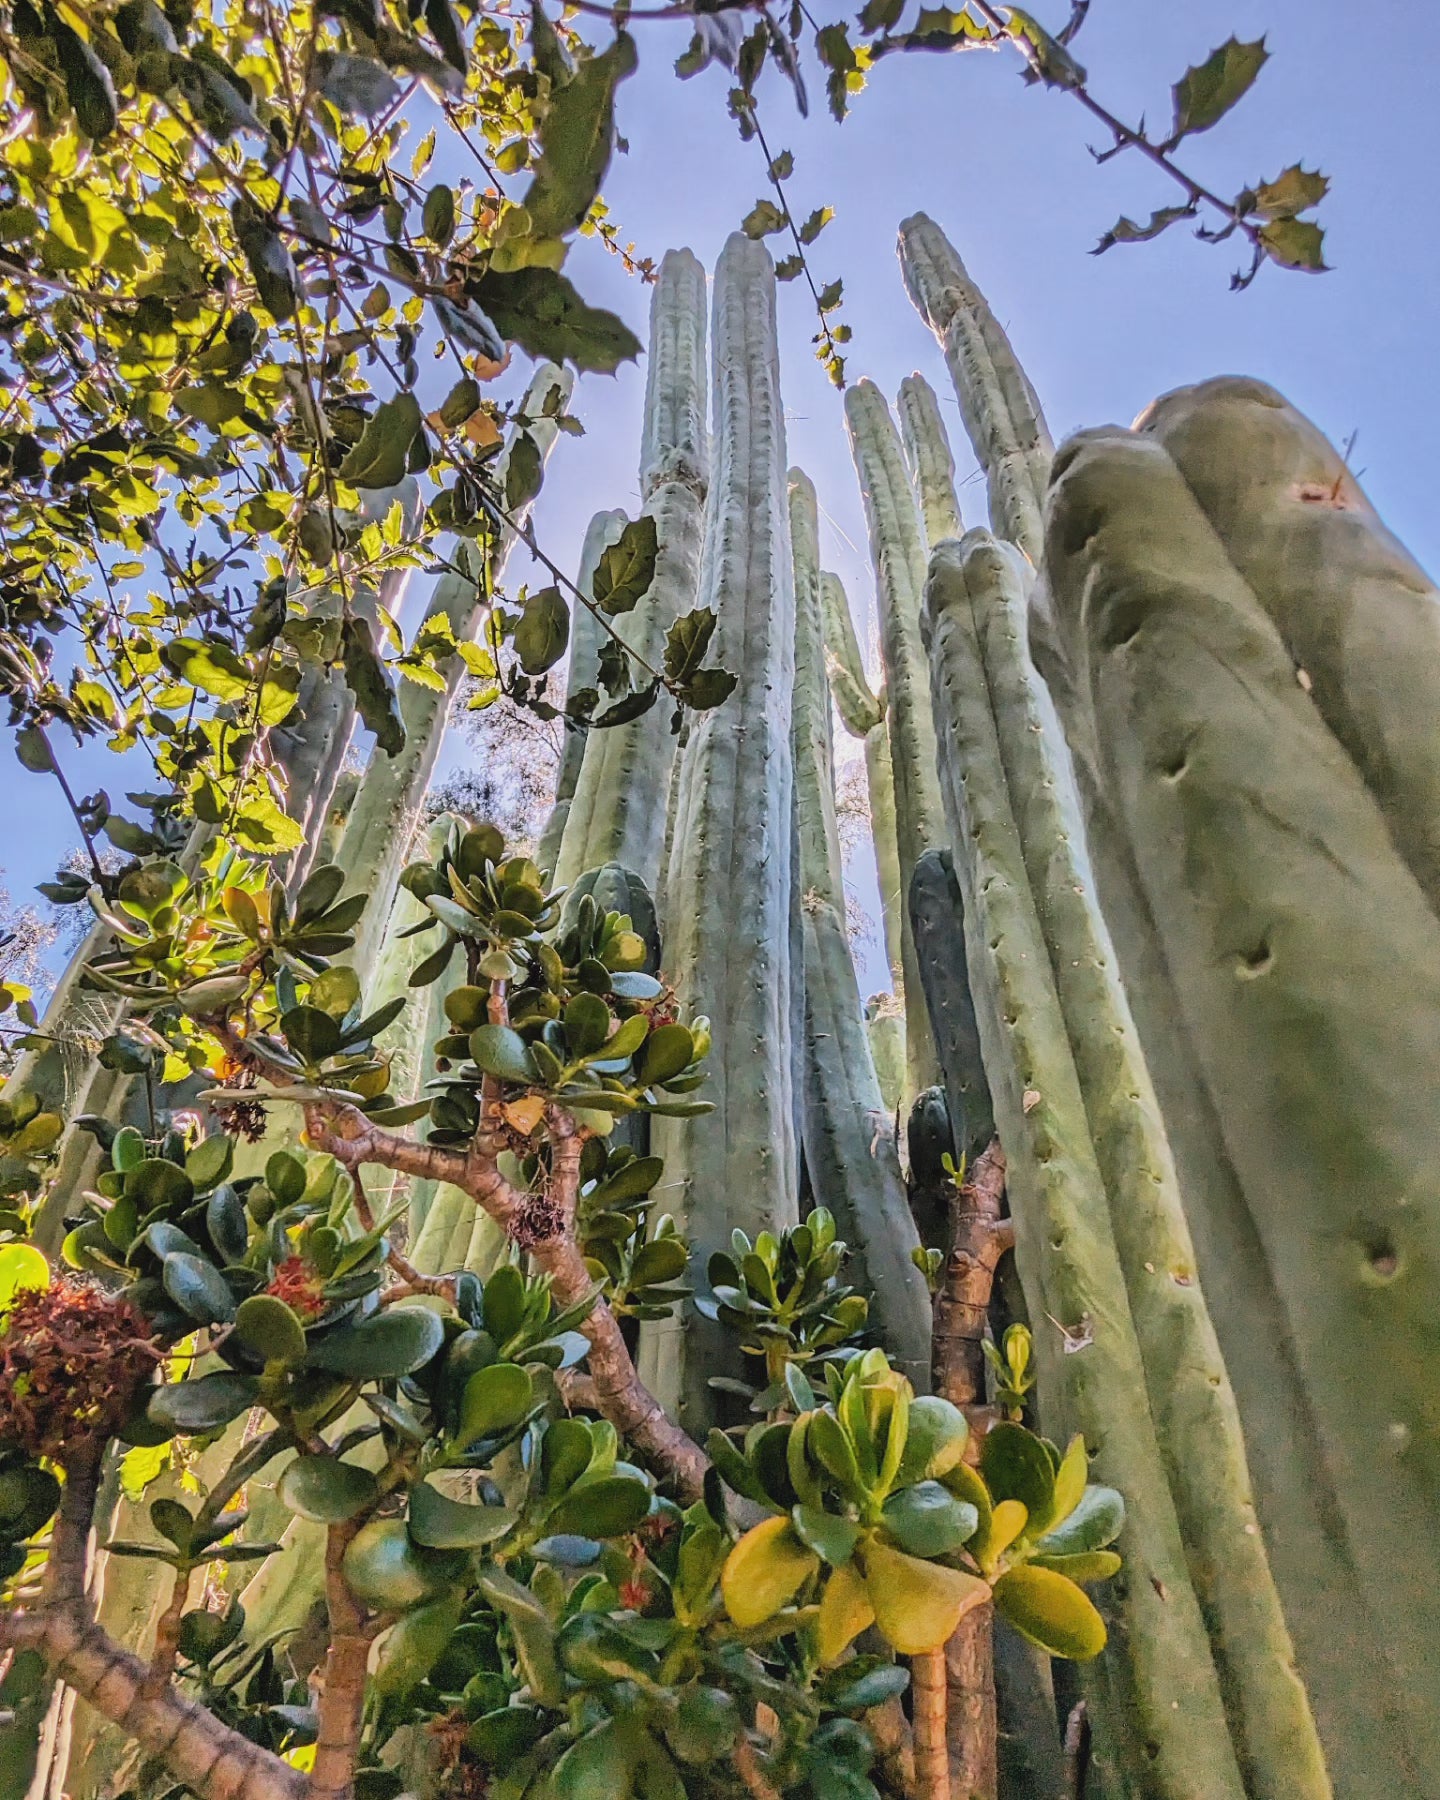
(1003, 168)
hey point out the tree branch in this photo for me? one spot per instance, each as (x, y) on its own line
(342, 1704)
(932, 1756)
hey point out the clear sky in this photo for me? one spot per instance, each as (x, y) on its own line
(1003, 168)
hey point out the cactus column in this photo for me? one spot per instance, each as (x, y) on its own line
(1304, 960)
(932, 463)
(585, 639)
(899, 560)
(618, 813)
(382, 822)
(729, 889)
(850, 1153)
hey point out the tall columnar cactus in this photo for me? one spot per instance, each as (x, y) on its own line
(382, 822)
(729, 889)
(862, 713)
(937, 916)
(618, 813)
(1353, 608)
(585, 639)
(850, 1152)
(1302, 959)
(1000, 408)
(899, 558)
(1159, 1706)
(931, 460)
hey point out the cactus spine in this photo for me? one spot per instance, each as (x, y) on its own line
(931, 460)
(1162, 1723)
(899, 560)
(585, 637)
(618, 813)
(1305, 963)
(729, 888)
(850, 1150)
(382, 823)
(862, 713)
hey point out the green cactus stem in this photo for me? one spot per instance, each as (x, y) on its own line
(1306, 969)
(387, 807)
(1191, 1398)
(930, 458)
(585, 640)
(1000, 409)
(618, 813)
(849, 1137)
(729, 896)
(899, 560)
(1360, 618)
(937, 918)
(1160, 1720)
(862, 713)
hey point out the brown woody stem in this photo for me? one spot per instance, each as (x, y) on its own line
(979, 1238)
(342, 1704)
(932, 1756)
(167, 1636)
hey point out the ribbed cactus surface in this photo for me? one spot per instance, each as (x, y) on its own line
(931, 460)
(1159, 1710)
(1304, 962)
(849, 1138)
(862, 713)
(729, 891)
(899, 558)
(382, 822)
(586, 636)
(1000, 408)
(618, 813)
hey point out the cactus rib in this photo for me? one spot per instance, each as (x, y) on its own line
(930, 458)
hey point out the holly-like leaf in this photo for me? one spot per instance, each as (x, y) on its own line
(1206, 92)
(783, 167)
(1126, 231)
(789, 267)
(763, 219)
(1295, 244)
(880, 15)
(816, 223)
(1295, 190)
(627, 567)
(540, 310)
(1048, 58)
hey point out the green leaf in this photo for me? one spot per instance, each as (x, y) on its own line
(494, 1400)
(935, 1441)
(668, 1052)
(880, 15)
(438, 220)
(210, 1162)
(88, 86)
(213, 667)
(542, 631)
(789, 267)
(1017, 1466)
(276, 283)
(783, 167)
(390, 1573)
(598, 1767)
(268, 1327)
(383, 1347)
(1206, 91)
(576, 137)
(33, 749)
(441, 1523)
(608, 1507)
(1048, 58)
(1097, 1520)
(926, 1520)
(201, 1404)
(763, 220)
(1295, 244)
(198, 1289)
(587, 1024)
(1126, 231)
(662, 1259)
(1295, 190)
(381, 457)
(28, 1498)
(765, 1571)
(312, 1034)
(1087, 1565)
(327, 1490)
(22, 1268)
(687, 641)
(627, 567)
(354, 85)
(501, 1051)
(533, 1633)
(1051, 1611)
(814, 225)
(369, 681)
(285, 1176)
(415, 1643)
(540, 310)
(828, 1536)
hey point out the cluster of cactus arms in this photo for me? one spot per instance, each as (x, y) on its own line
(484, 1336)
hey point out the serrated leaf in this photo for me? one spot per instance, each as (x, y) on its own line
(627, 567)
(1295, 190)
(816, 223)
(1126, 231)
(1295, 244)
(1206, 91)
(763, 219)
(789, 267)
